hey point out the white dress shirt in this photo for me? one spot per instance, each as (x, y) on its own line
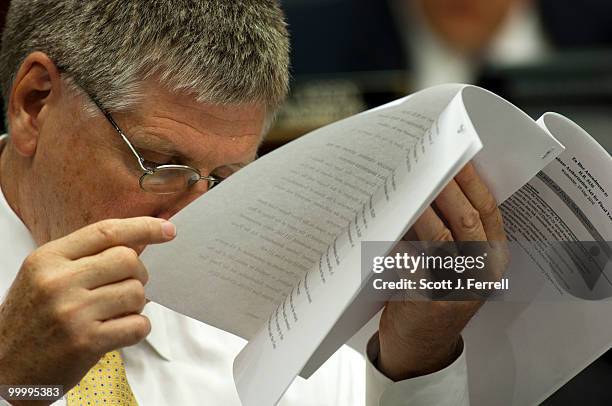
(186, 362)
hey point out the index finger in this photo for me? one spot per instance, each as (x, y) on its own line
(95, 238)
(483, 201)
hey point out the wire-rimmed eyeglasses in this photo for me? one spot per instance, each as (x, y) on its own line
(163, 179)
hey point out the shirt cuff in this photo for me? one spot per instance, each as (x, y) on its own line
(448, 386)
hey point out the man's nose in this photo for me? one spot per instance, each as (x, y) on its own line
(194, 192)
(182, 200)
(198, 189)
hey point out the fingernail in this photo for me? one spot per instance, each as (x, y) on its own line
(168, 229)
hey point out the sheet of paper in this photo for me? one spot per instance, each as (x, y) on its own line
(267, 365)
(252, 255)
(520, 353)
(515, 148)
(457, 121)
(243, 247)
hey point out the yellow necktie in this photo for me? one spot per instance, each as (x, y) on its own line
(104, 384)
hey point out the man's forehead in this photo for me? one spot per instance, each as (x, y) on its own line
(178, 125)
(234, 120)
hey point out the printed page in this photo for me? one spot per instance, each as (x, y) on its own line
(245, 245)
(303, 206)
(275, 355)
(515, 148)
(520, 353)
(396, 206)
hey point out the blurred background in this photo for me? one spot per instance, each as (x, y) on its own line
(542, 55)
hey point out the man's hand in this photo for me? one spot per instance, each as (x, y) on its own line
(76, 298)
(417, 338)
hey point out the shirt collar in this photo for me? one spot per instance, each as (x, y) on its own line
(16, 243)
(158, 337)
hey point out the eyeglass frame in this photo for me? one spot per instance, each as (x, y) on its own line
(212, 180)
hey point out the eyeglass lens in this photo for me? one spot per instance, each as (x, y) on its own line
(169, 180)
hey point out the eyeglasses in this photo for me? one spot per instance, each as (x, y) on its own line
(163, 179)
(157, 178)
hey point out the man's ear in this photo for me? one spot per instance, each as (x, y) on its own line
(36, 84)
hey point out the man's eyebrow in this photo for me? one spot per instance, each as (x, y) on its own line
(238, 165)
(154, 143)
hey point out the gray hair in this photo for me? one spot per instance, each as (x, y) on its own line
(221, 51)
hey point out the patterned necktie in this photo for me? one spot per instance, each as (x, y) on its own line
(104, 384)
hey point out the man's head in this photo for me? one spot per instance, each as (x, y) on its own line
(191, 82)
(467, 26)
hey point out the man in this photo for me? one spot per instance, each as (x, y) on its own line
(100, 93)
(454, 41)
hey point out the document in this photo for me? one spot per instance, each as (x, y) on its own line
(273, 253)
(520, 353)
